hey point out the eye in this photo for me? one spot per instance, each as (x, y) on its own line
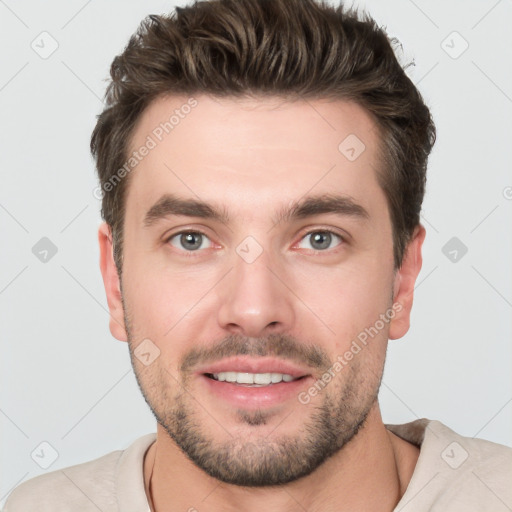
(320, 240)
(191, 241)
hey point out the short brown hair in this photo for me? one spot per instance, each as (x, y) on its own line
(290, 48)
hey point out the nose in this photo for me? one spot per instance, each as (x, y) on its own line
(254, 300)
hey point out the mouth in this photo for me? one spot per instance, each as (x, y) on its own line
(252, 383)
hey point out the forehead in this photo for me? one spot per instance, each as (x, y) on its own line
(252, 152)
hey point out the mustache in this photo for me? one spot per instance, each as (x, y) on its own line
(277, 345)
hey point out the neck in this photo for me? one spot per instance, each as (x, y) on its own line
(373, 460)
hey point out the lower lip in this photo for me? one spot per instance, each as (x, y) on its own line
(255, 396)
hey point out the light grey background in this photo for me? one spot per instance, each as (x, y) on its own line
(67, 382)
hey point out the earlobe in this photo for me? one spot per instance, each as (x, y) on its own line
(111, 283)
(405, 280)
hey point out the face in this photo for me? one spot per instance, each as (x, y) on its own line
(258, 290)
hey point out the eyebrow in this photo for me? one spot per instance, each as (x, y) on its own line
(170, 204)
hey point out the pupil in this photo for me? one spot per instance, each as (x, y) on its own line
(187, 240)
(321, 238)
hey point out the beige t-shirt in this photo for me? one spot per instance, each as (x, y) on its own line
(453, 473)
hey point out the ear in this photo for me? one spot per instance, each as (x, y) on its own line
(111, 283)
(404, 282)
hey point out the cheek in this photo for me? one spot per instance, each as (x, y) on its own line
(160, 293)
(346, 297)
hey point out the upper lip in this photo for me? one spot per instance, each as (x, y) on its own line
(244, 364)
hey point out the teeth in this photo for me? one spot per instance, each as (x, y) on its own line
(261, 379)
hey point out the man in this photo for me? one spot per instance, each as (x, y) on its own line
(263, 166)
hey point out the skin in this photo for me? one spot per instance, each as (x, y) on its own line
(277, 152)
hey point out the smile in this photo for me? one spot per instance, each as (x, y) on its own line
(252, 379)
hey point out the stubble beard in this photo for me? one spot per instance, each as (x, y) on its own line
(340, 413)
(262, 461)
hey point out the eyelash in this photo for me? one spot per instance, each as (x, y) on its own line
(193, 254)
